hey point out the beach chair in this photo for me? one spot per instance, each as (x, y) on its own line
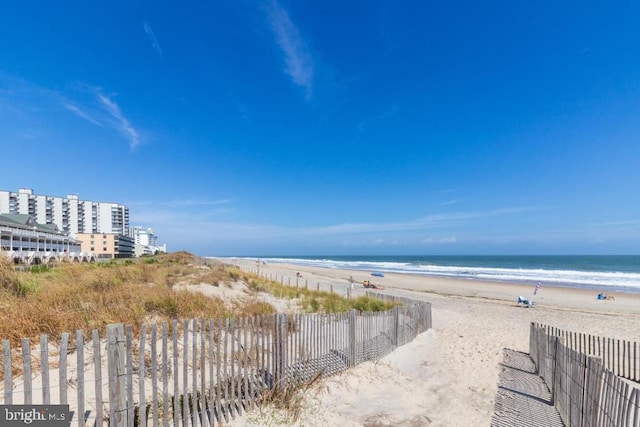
(525, 301)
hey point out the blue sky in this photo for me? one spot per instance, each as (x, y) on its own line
(332, 127)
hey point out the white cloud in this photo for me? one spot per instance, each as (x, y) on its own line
(201, 223)
(299, 64)
(440, 240)
(26, 100)
(152, 37)
(197, 202)
(120, 122)
(80, 113)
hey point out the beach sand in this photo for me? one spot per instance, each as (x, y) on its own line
(447, 376)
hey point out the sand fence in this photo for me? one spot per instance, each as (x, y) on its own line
(593, 381)
(198, 371)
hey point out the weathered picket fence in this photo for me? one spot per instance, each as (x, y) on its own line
(198, 372)
(619, 356)
(585, 389)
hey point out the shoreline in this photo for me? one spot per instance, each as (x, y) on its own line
(447, 376)
(607, 276)
(549, 296)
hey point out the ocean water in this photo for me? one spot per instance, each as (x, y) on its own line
(601, 272)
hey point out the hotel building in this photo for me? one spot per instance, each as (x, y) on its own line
(70, 214)
(39, 228)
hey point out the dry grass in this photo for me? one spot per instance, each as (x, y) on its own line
(72, 297)
(317, 301)
(288, 401)
(91, 296)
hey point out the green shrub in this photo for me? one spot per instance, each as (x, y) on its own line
(371, 304)
(39, 268)
(26, 286)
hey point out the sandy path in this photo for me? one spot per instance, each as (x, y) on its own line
(447, 376)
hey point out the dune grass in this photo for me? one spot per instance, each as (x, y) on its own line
(69, 297)
(314, 301)
(90, 296)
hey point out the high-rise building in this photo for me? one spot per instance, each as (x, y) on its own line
(146, 242)
(70, 214)
(144, 237)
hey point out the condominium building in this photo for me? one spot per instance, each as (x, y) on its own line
(146, 241)
(69, 214)
(107, 245)
(23, 241)
(144, 236)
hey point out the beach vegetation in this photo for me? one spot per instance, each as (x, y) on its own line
(73, 296)
(90, 296)
(314, 301)
(285, 404)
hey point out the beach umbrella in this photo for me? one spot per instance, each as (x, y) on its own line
(377, 274)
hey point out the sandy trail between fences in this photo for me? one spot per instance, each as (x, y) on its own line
(447, 376)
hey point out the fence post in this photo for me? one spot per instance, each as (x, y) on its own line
(117, 382)
(553, 385)
(8, 375)
(594, 374)
(396, 324)
(280, 349)
(533, 349)
(352, 337)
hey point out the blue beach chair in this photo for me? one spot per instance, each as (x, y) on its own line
(525, 301)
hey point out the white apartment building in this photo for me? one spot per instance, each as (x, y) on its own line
(144, 237)
(70, 214)
(146, 242)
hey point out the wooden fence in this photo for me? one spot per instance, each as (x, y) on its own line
(584, 389)
(198, 372)
(619, 356)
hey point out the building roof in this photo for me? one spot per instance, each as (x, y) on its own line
(27, 221)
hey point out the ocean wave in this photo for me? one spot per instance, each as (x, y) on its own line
(622, 281)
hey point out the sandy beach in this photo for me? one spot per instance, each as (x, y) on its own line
(447, 376)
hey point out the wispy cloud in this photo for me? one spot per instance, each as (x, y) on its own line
(368, 122)
(121, 123)
(80, 112)
(205, 225)
(182, 203)
(197, 202)
(29, 101)
(152, 37)
(439, 241)
(436, 221)
(297, 56)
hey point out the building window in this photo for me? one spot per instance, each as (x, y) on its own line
(92, 249)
